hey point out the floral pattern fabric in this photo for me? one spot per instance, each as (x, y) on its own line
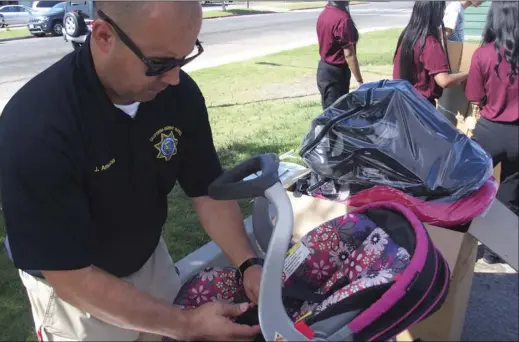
(349, 250)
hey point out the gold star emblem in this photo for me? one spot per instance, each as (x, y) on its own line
(167, 146)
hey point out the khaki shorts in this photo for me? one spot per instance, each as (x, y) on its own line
(56, 320)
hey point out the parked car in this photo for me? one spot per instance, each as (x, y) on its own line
(43, 6)
(48, 22)
(15, 14)
(79, 6)
(77, 21)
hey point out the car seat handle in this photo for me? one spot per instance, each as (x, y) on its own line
(273, 318)
(231, 184)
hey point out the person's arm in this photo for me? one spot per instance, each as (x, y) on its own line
(436, 63)
(346, 34)
(353, 63)
(199, 167)
(222, 220)
(49, 228)
(475, 88)
(446, 80)
(121, 304)
(117, 302)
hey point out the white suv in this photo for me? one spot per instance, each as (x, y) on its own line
(77, 21)
(43, 6)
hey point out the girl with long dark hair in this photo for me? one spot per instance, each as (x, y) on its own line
(337, 37)
(492, 85)
(419, 55)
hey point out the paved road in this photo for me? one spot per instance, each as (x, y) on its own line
(225, 40)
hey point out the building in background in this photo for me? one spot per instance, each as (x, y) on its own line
(475, 18)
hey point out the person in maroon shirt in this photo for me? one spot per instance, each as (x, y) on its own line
(419, 56)
(492, 84)
(337, 37)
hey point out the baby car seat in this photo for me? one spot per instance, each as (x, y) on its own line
(366, 275)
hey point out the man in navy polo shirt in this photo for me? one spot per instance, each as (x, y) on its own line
(90, 149)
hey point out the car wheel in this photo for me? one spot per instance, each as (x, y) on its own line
(71, 24)
(57, 28)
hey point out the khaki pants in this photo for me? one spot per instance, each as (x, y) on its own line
(56, 320)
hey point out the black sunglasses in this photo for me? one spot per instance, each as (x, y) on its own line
(156, 65)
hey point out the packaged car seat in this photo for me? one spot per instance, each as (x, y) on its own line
(385, 142)
(442, 213)
(385, 133)
(366, 275)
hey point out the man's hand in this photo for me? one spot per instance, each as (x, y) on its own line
(251, 282)
(212, 322)
(118, 302)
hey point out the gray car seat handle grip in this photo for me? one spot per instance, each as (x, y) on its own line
(275, 323)
(232, 186)
(274, 320)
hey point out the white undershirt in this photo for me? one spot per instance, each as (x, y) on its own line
(454, 19)
(130, 109)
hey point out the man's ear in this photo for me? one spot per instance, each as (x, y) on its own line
(103, 35)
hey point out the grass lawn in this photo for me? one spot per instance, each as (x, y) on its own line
(231, 12)
(14, 33)
(279, 75)
(246, 121)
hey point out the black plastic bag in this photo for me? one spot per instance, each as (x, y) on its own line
(386, 133)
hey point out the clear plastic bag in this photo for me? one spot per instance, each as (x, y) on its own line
(386, 133)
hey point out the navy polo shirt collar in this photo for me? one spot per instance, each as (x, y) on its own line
(93, 84)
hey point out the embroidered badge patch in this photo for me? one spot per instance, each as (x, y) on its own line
(168, 143)
(167, 146)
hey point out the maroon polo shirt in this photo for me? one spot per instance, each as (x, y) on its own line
(501, 95)
(428, 62)
(335, 32)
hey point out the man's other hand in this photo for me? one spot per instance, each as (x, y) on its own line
(213, 322)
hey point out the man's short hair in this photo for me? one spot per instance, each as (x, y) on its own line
(121, 11)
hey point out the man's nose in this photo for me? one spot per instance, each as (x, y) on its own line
(172, 77)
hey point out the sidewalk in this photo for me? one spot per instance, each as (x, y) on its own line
(230, 53)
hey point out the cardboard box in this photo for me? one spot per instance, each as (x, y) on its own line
(453, 103)
(447, 323)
